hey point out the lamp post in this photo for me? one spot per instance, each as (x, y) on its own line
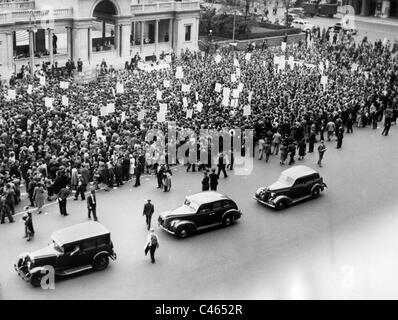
(32, 30)
(234, 25)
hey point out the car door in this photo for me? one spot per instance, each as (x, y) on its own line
(70, 258)
(298, 189)
(89, 251)
(217, 212)
(202, 217)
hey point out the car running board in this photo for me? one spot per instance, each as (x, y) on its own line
(75, 270)
(301, 198)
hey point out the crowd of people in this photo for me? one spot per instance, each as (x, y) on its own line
(48, 148)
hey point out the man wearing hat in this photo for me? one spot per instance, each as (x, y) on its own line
(148, 212)
(92, 205)
(152, 244)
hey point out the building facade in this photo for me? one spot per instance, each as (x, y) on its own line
(377, 8)
(92, 30)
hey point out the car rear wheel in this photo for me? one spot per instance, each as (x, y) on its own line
(183, 232)
(228, 220)
(316, 192)
(101, 262)
(280, 205)
(35, 280)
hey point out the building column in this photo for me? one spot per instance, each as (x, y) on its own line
(31, 51)
(69, 42)
(385, 9)
(10, 50)
(80, 43)
(365, 7)
(196, 39)
(125, 41)
(116, 40)
(142, 24)
(177, 36)
(171, 38)
(89, 44)
(50, 45)
(156, 34)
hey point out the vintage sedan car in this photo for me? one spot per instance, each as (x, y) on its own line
(294, 185)
(74, 249)
(199, 211)
(302, 24)
(340, 26)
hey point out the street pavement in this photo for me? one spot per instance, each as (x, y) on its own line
(341, 245)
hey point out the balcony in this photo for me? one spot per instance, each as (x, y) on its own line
(169, 6)
(35, 15)
(17, 5)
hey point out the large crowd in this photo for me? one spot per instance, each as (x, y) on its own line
(48, 148)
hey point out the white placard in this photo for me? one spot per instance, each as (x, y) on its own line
(225, 101)
(283, 46)
(104, 111)
(247, 110)
(236, 63)
(64, 85)
(141, 115)
(291, 62)
(161, 117)
(168, 58)
(226, 92)
(123, 117)
(218, 58)
(233, 77)
(327, 64)
(48, 102)
(250, 96)
(235, 93)
(354, 67)
(166, 83)
(248, 56)
(238, 72)
(189, 114)
(12, 94)
(186, 88)
(218, 87)
(240, 87)
(196, 96)
(85, 134)
(94, 121)
(65, 101)
(179, 73)
(276, 59)
(158, 94)
(185, 102)
(111, 107)
(324, 80)
(163, 108)
(119, 88)
(42, 81)
(30, 89)
(98, 133)
(199, 106)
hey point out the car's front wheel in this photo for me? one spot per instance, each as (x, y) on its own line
(183, 232)
(100, 262)
(315, 192)
(228, 220)
(35, 279)
(280, 205)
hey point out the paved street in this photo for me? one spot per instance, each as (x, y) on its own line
(342, 245)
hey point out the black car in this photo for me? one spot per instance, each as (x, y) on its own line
(78, 248)
(294, 185)
(199, 211)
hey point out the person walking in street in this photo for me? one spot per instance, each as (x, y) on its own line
(80, 189)
(159, 175)
(149, 209)
(28, 221)
(166, 180)
(152, 243)
(340, 136)
(321, 151)
(221, 165)
(137, 172)
(261, 144)
(331, 127)
(39, 197)
(4, 212)
(387, 122)
(276, 141)
(291, 149)
(205, 182)
(311, 141)
(283, 154)
(213, 180)
(302, 147)
(92, 205)
(62, 197)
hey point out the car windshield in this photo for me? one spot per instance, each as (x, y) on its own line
(284, 179)
(191, 205)
(57, 247)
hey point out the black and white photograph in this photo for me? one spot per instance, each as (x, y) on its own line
(198, 150)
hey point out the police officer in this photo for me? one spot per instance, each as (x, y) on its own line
(213, 180)
(148, 212)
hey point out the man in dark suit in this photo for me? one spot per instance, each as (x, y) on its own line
(92, 205)
(221, 166)
(62, 197)
(137, 172)
(149, 209)
(213, 180)
(205, 182)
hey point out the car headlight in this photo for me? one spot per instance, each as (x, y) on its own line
(173, 223)
(259, 190)
(273, 194)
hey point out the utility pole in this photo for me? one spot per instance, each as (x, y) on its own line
(233, 28)
(31, 31)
